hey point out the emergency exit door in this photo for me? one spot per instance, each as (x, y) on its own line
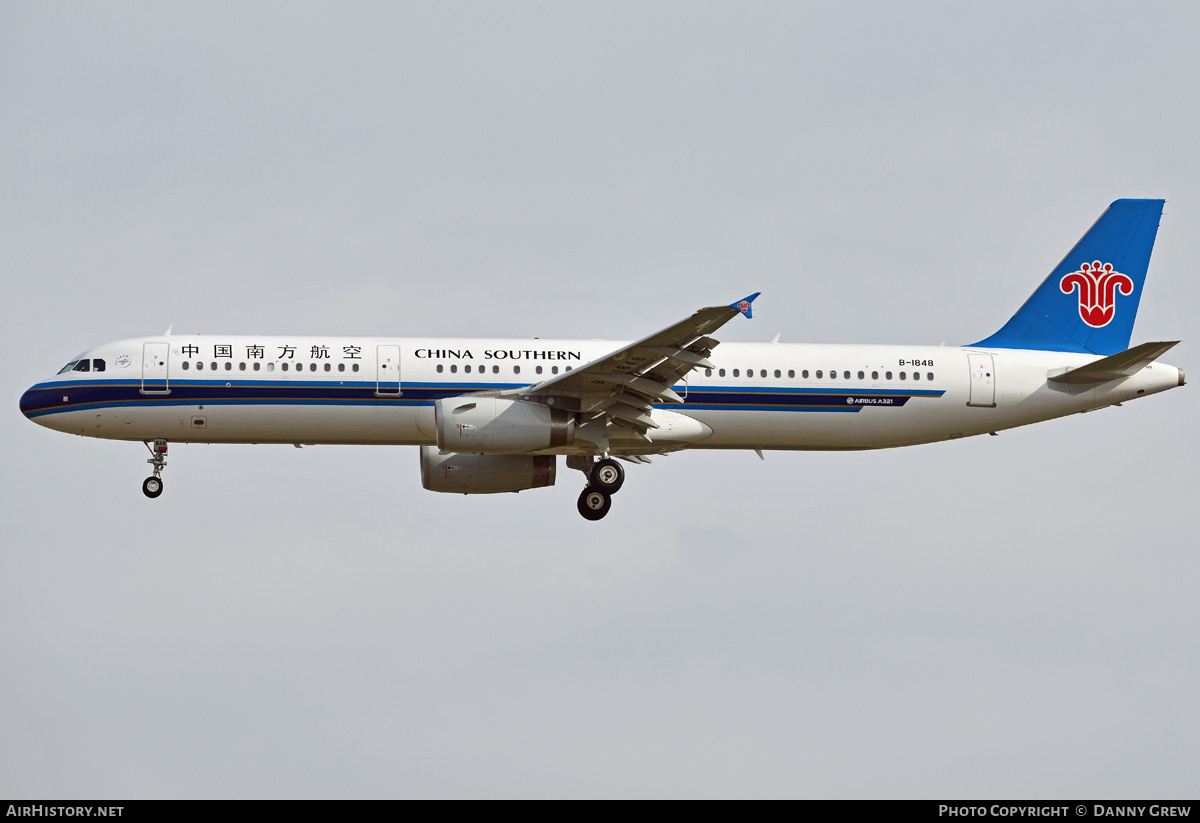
(983, 380)
(154, 368)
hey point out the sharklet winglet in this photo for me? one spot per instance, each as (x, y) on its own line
(744, 306)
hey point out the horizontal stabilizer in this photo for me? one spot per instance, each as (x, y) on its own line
(1115, 366)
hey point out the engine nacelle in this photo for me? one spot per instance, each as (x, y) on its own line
(443, 471)
(495, 425)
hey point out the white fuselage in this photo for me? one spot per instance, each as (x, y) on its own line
(381, 391)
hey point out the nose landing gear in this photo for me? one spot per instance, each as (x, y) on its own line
(153, 486)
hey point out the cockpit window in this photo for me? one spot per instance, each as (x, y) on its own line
(97, 364)
(83, 365)
(68, 367)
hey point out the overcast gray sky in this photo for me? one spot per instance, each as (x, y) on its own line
(1002, 617)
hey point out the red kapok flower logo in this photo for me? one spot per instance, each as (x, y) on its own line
(1098, 285)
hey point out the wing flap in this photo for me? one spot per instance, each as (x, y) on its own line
(636, 416)
(688, 358)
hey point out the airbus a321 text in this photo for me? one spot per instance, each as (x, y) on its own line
(495, 415)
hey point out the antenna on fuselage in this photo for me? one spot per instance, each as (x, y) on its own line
(167, 333)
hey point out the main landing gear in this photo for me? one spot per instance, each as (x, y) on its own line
(153, 486)
(604, 480)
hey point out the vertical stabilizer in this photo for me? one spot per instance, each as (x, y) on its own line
(1090, 300)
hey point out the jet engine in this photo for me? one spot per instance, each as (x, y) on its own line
(495, 425)
(443, 471)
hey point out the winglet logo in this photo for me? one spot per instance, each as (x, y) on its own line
(1098, 285)
(743, 306)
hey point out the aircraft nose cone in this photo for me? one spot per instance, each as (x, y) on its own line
(1182, 381)
(29, 400)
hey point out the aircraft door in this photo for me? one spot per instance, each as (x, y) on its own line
(983, 380)
(154, 368)
(387, 371)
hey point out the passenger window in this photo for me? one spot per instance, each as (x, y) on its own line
(270, 367)
(454, 368)
(819, 374)
(737, 373)
(846, 375)
(328, 367)
(241, 366)
(554, 369)
(749, 372)
(185, 365)
(312, 366)
(874, 375)
(538, 369)
(354, 367)
(804, 374)
(516, 369)
(763, 373)
(257, 365)
(439, 368)
(929, 376)
(903, 375)
(791, 373)
(887, 375)
(720, 372)
(916, 375)
(83, 365)
(567, 368)
(97, 365)
(213, 365)
(861, 375)
(283, 366)
(199, 365)
(777, 373)
(228, 366)
(467, 368)
(341, 366)
(708, 372)
(495, 369)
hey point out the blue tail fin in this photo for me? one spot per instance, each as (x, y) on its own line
(1088, 303)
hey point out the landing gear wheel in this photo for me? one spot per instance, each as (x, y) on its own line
(594, 504)
(607, 476)
(152, 487)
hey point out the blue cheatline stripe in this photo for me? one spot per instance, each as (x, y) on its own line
(844, 390)
(47, 398)
(719, 407)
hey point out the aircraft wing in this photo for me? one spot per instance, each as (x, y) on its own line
(625, 383)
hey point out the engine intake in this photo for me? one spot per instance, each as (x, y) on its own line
(443, 471)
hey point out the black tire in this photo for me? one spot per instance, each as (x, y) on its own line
(152, 487)
(607, 476)
(594, 504)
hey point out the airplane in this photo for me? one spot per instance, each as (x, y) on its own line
(493, 415)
